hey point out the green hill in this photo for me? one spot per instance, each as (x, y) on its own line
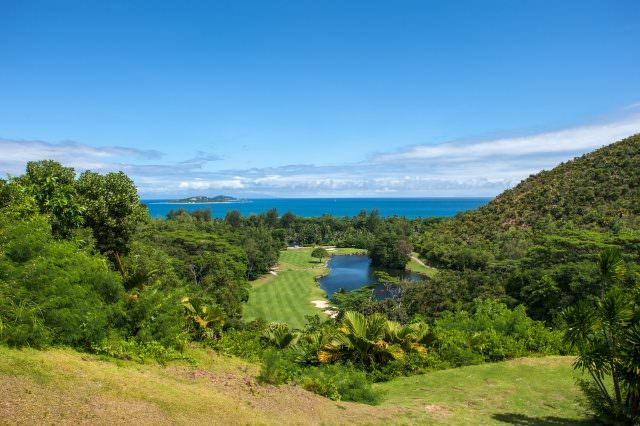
(599, 190)
(538, 243)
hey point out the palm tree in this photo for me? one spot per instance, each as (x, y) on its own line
(207, 319)
(607, 338)
(279, 335)
(308, 345)
(372, 340)
(408, 337)
(611, 268)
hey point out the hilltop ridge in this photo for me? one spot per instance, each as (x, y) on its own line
(599, 190)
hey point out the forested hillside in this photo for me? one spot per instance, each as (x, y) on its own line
(539, 243)
(599, 190)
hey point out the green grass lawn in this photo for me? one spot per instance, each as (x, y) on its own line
(416, 266)
(301, 258)
(527, 391)
(61, 386)
(287, 297)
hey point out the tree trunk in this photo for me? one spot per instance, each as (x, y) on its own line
(116, 256)
(616, 384)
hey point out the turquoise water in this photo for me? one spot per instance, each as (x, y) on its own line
(308, 207)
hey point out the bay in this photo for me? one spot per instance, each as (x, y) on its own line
(310, 207)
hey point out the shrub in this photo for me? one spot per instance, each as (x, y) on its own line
(412, 363)
(490, 331)
(154, 315)
(247, 344)
(22, 325)
(140, 352)
(58, 293)
(341, 383)
(278, 367)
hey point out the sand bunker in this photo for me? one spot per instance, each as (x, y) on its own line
(324, 305)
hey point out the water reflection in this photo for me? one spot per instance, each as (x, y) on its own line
(350, 272)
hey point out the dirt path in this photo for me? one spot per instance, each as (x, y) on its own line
(420, 261)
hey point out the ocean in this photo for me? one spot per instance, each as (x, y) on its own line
(308, 207)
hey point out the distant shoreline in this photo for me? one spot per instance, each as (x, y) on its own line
(197, 202)
(410, 208)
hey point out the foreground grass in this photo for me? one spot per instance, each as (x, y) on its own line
(527, 391)
(287, 296)
(66, 387)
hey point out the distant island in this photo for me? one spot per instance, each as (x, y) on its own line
(203, 199)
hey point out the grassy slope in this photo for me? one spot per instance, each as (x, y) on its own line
(66, 387)
(287, 297)
(527, 391)
(420, 268)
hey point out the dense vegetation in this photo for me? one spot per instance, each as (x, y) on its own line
(82, 265)
(538, 243)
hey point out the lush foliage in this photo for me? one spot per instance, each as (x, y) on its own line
(62, 237)
(330, 356)
(390, 251)
(52, 291)
(320, 253)
(607, 337)
(82, 265)
(341, 383)
(538, 244)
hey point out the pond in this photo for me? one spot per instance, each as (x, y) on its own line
(350, 272)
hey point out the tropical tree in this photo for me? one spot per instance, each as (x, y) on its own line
(389, 251)
(287, 220)
(407, 336)
(112, 211)
(233, 218)
(607, 338)
(270, 217)
(206, 319)
(319, 253)
(371, 340)
(279, 335)
(53, 187)
(15, 201)
(611, 268)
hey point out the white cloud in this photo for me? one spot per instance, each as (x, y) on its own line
(14, 154)
(212, 184)
(579, 139)
(477, 168)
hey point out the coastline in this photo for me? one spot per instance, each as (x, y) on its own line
(198, 202)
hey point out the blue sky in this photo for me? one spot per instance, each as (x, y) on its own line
(316, 98)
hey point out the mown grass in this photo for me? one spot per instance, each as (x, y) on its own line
(61, 386)
(287, 296)
(301, 258)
